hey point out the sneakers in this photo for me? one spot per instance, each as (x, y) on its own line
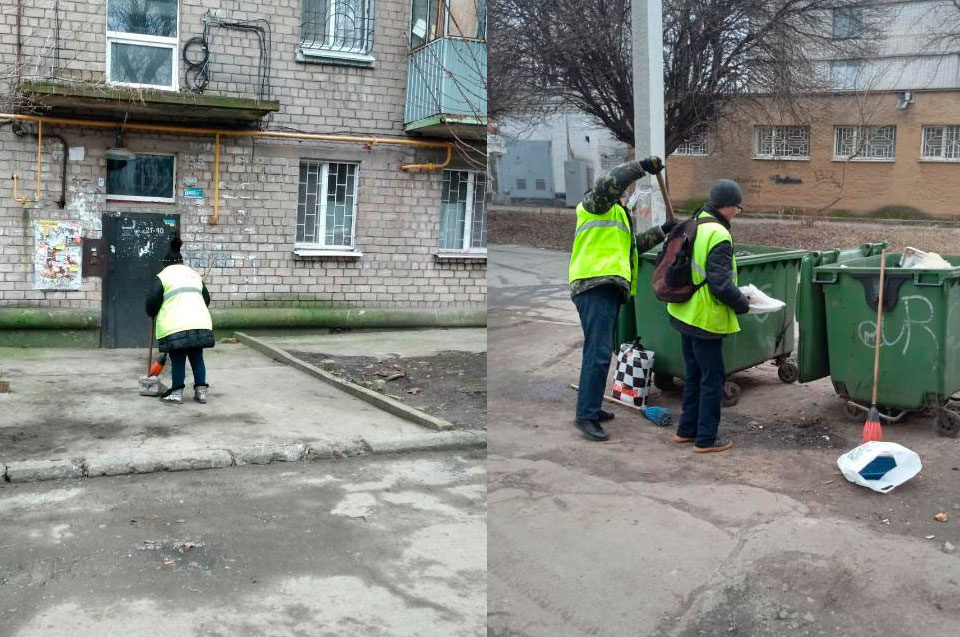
(592, 430)
(173, 396)
(200, 394)
(718, 445)
(605, 416)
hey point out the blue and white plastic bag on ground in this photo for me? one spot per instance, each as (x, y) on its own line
(880, 466)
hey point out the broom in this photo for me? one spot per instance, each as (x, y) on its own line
(872, 431)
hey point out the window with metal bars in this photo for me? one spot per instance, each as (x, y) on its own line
(463, 212)
(782, 142)
(941, 143)
(696, 145)
(338, 30)
(327, 205)
(867, 143)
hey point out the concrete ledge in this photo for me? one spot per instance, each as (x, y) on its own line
(265, 454)
(452, 440)
(385, 403)
(151, 462)
(25, 318)
(37, 470)
(200, 459)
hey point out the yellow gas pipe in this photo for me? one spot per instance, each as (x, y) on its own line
(217, 134)
(16, 177)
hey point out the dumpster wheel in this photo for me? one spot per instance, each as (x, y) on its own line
(948, 423)
(731, 394)
(788, 372)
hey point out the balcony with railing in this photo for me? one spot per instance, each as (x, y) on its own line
(447, 69)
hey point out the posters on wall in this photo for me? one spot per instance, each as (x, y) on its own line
(58, 255)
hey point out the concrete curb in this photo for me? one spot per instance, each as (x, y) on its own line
(385, 403)
(200, 459)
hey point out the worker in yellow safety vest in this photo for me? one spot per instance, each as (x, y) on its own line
(603, 276)
(179, 301)
(708, 316)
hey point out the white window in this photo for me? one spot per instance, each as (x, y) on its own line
(337, 30)
(463, 212)
(142, 43)
(696, 144)
(146, 178)
(782, 142)
(941, 143)
(848, 23)
(844, 74)
(326, 208)
(867, 143)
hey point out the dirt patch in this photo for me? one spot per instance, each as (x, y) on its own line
(51, 438)
(554, 230)
(449, 385)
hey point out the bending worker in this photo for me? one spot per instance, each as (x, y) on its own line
(179, 301)
(603, 275)
(708, 316)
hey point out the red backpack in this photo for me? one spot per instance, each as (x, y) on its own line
(672, 274)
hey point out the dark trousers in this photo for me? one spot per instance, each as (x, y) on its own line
(598, 308)
(178, 366)
(702, 389)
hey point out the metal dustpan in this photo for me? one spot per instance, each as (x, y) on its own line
(150, 386)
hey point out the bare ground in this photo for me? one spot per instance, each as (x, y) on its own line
(554, 230)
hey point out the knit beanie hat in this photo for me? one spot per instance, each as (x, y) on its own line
(726, 192)
(173, 254)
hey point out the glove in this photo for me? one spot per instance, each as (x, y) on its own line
(668, 226)
(652, 165)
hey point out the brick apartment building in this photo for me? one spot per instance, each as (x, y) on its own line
(299, 147)
(886, 136)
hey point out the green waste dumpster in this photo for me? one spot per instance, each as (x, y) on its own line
(813, 361)
(920, 336)
(762, 337)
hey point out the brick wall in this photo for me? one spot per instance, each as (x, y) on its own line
(252, 245)
(822, 182)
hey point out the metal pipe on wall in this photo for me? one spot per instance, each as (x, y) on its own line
(218, 133)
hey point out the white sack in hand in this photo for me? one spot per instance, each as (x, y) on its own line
(760, 303)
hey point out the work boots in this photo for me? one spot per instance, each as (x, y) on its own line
(200, 393)
(173, 396)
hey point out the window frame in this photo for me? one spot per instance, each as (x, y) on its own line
(308, 53)
(774, 156)
(860, 131)
(683, 150)
(854, 12)
(139, 198)
(923, 143)
(139, 39)
(466, 250)
(321, 248)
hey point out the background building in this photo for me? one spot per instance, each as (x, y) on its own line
(884, 138)
(371, 216)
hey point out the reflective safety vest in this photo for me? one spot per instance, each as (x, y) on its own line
(703, 310)
(183, 307)
(604, 246)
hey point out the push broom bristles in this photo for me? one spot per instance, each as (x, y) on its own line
(872, 431)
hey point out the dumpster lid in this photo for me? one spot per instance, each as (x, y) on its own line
(746, 253)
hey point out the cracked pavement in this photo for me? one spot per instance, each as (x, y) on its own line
(639, 536)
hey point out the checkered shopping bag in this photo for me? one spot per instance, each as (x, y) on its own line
(634, 374)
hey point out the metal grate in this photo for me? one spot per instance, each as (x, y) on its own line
(695, 145)
(326, 207)
(337, 25)
(463, 191)
(782, 142)
(879, 142)
(941, 142)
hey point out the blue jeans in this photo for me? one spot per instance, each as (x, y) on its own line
(598, 308)
(702, 389)
(178, 366)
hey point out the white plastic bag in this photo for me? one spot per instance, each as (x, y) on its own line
(760, 303)
(918, 259)
(880, 466)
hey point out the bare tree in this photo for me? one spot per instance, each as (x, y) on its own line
(715, 52)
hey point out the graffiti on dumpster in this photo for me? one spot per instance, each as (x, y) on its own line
(913, 309)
